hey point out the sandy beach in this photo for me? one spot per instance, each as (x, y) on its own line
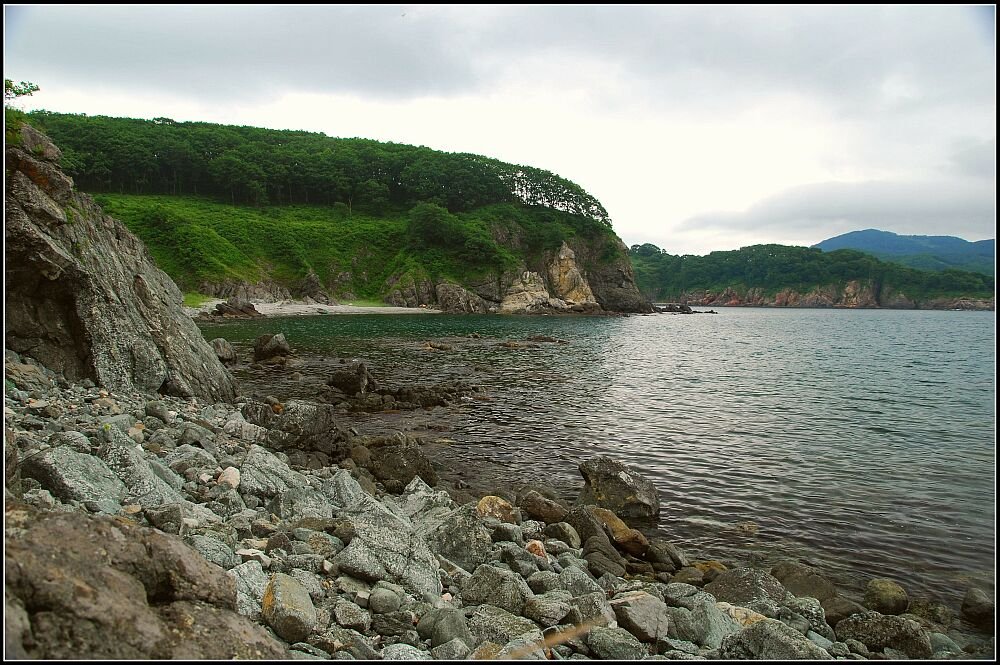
(299, 308)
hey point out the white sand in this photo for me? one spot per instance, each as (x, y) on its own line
(297, 308)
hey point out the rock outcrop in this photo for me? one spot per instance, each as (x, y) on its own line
(854, 294)
(83, 294)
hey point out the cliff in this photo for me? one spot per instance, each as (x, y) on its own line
(83, 296)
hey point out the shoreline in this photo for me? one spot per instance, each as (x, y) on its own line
(299, 308)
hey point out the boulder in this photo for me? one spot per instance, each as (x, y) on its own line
(498, 587)
(538, 507)
(287, 608)
(838, 608)
(396, 466)
(802, 580)
(73, 476)
(770, 640)
(617, 487)
(979, 609)
(643, 615)
(122, 592)
(885, 597)
(354, 381)
(877, 632)
(614, 644)
(495, 624)
(263, 475)
(747, 587)
(267, 347)
(224, 351)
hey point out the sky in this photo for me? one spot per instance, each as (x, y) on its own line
(700, 128)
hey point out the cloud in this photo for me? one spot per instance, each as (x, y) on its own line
(814, 212)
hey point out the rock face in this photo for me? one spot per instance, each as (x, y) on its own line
(83, 294)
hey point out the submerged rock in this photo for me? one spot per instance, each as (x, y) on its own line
(613, 485)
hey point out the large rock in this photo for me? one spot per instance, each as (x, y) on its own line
(877, 631)
(643, 615)
(103, 589)
(617, 487)
(979, 608)
(614, 644)
(267, 347)
(885, 597)
(802, 580)
(495, 624)
(747, 587)
(224, 351)
(696, 617)
(263, 475)
(568, 283)
(83, 295)
(73, 476)
(454, 299)
(496, 586)
(770, 639)
(287, 608)
(395, 466)
(460, 537)
(385, 547)
(301, 425)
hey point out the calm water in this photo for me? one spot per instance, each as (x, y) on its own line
(862, 441)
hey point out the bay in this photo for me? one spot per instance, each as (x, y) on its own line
(861, 441)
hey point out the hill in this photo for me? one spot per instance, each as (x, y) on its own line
(806, 277)
(921, 252)
(266, 213)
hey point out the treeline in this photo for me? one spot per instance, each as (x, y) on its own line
(664, 277)
(254, 166)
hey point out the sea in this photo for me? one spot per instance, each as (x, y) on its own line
(862, 442)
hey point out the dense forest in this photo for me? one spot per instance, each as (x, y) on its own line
(920, 252)
(254, 166)
(664, 277)
(218, 204)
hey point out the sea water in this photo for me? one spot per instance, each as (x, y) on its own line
(861, 441)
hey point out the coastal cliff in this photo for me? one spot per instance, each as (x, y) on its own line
(853, 294)
(84, 297)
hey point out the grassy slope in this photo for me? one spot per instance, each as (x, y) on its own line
(197, 239)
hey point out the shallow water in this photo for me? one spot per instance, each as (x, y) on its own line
(862, 441)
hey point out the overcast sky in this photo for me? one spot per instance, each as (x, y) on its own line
(699, 128)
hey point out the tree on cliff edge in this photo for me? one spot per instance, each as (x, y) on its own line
(12, 91)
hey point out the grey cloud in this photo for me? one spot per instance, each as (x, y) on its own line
(700, 54)
(960, 208)
(975, 157)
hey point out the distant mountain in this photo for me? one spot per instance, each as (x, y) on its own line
(921, 252)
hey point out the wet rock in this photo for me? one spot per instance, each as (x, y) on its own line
(770, 640)
(354, 381)
(885, 597)
(979, 608)
(838, 608)
(625, 538)
(396, 466)
(287, 608)
(802, 580)
(538, 507)
(224, 351)
(877, 631)
(497, 508)
(266, 347)
(617, 487)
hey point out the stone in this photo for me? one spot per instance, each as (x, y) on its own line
(877, 631)
(625, 538)
(496, 586)
(250, 584)
(811, 610)
(384, 547)
(578, 582)
(119, 454)
(541, 508)
(770, 640)
(885, 597)
(497, 508)
(614, 644)
(73, 476)
(123, 592)
(495, 624)
(742, 615)
(593, 609)
(455, 649)
(213, 550)
(267, 347)
(979, 609)
(263, 475)
(613, 485)
(383, 601)
(400, 651)
(696, 617)
(564, 532)
(349, 615)
(547, 609)
(460, 537)
(287, 608)
(395, 466)
(747, 587)
(802, 580)
(838, 608)
(230, 477)
(643, 615)
(664, 552)
(224, 351)
(300, 503)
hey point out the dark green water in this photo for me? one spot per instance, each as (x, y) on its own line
(860, 440)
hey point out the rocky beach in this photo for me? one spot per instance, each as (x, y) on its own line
(156, 509)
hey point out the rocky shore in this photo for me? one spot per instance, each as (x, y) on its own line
(263, 529)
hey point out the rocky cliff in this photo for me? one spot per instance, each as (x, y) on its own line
(83, 295)
(576, 278)
(853, 294)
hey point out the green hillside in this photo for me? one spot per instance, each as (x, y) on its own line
(665, 277)
(920, 252)
(218, 203)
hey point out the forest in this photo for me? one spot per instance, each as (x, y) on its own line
(664, 277)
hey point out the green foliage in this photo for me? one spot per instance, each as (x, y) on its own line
(195, 299)
(771, 268)
(12, 91)
(260, 167)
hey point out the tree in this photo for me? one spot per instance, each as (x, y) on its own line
(12, 91)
